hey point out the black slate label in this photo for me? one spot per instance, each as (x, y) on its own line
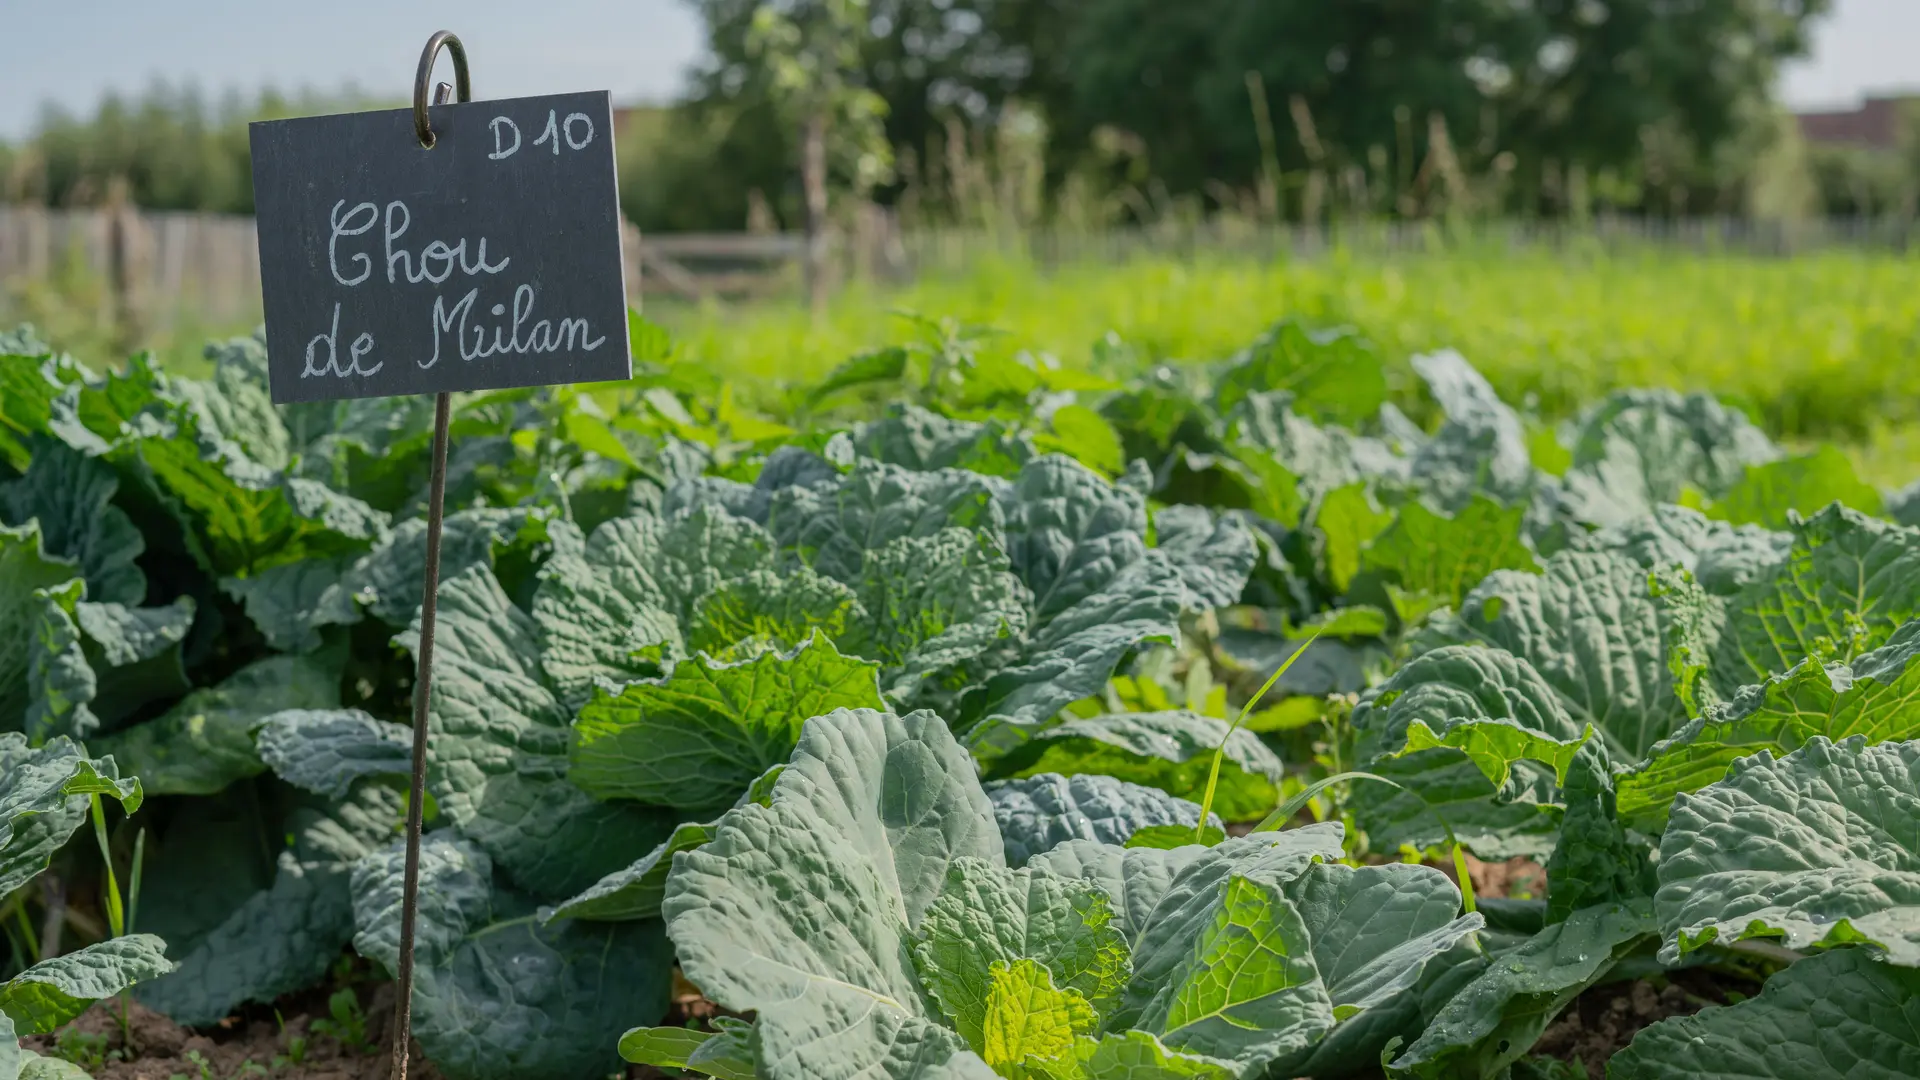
(490, 260)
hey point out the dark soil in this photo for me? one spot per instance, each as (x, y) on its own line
(1603, 1020)
(298, 1038)
(250, 1044)
(277, 1043)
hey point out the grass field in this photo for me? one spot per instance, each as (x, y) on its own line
(1819, 347)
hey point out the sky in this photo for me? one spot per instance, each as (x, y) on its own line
(72, 52)
(1863, 46)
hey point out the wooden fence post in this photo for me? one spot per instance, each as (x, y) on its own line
(128, 243)
(632, 265)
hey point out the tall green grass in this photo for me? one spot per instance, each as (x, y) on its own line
(1815, 347)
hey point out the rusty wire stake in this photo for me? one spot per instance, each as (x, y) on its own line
(423, 684)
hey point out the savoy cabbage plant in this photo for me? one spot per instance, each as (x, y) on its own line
(879, 727)
(1606, 713)
(1815, 851)
(1667, 675)
(46, 793)
(52, 992)
(691, 644)
(866, 915)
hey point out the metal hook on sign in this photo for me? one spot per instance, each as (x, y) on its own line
(424, 75)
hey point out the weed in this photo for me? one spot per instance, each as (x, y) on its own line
(80, 1048)
(347, 1023)
(296, 1046)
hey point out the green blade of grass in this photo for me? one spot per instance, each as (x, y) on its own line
(116, 915)
(133, 887)
(1285, 811)
(1220, 752)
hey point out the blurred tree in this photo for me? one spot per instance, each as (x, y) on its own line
(810, 50)
(1399, 106)
(1781, 186)
(1557, 84)
(1547, 103)
(173, 149)
(931, 61)
(14, 173)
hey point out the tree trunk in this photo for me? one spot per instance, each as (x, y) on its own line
(813, 182)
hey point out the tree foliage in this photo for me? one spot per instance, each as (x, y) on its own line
(1381, 105)
(1643, 99)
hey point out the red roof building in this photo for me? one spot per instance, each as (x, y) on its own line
(1875, 124)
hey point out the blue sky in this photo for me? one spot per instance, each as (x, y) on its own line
(71, 52)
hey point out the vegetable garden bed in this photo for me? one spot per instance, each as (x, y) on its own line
(973, 718)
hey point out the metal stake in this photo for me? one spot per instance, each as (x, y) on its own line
(423, 684)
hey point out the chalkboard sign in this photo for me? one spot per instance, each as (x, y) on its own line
(489, 260)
